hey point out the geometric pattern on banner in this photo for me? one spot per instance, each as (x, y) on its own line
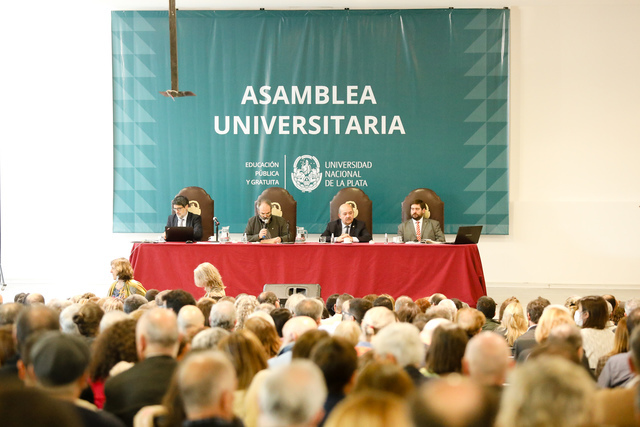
(491, 205)
(133, 193)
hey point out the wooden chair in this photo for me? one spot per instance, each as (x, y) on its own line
(200, 203)
(433, 201)
(282, 204)
(362, 206)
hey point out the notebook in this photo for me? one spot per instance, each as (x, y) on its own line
(468, 235)
(178, 234)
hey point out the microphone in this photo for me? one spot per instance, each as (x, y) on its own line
(215, 221)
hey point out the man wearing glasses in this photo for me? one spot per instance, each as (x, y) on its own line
(183, 218)
(266, 228)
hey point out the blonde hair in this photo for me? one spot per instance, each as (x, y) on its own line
(112, 304)
(552, 316)
(515, 321)
(123, 269)
(371, 409)
(209, 277)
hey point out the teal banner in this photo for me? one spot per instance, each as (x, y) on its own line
(313, 101)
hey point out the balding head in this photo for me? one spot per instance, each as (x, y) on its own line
(34, 299)
(157, 333)
(295, 327)
(223, 315)
(487, 359)
(190, 318)
(309, 307)
(35, 319)
(374, 320)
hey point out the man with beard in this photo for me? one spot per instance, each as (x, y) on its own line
(420, 227)
(265, 228)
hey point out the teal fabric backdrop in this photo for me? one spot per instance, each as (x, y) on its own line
(313, 101)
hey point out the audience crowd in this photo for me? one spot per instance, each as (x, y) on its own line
(167, 359)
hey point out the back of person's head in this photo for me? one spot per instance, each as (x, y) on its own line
(205, 304)
(59, 359)
(423, 304)
(450, 306)
(28, 406)
(487, 306)
(633, 319)
(631, 305)
(408, 312)
(292, 301)
(547, 391)
(208, 339)
(426, 334)
(634, 346)
(453, 401)
(341, 300)
(375, 319)
(35, 319)
(206, 382)
(349, 331)
(338, 361)
(358, 308)
(115, 344)
(246, 354)
(190, 318)
(552, 316)
(223, 315)
(280, 317)
(151, 294)
(309, 307)
(7, 344)
(436, 298)
(437, 312)
(268, 297)
(401, 302)
(178, 298)
(67, 325)
(371, 408)
(34, 298)
(306, 342)
(595, 312)
(245, 305)
(384, 376)
(383, 302)
(447, 348)
(331, 301)
(536, 307)
(9, 313)
(88, 319)
(487, 359)
(157, 329)
(133, 302)
(470, 320)
(112, 317)
(400, 342)
(292, 395)
(265, 331)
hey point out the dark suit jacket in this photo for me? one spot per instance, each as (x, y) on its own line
(277, 227)
(523, 342)
(142, 385)
(193, 220)
(358, 229)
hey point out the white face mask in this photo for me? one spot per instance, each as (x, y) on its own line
(578, 318)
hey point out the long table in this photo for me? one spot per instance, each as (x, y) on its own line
(359, 269)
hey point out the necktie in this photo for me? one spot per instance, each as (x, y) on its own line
(346, 229)
(418, 233)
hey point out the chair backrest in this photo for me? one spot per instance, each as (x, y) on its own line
(200, 203)
(362, 206)
(436, 206)
(282, 204)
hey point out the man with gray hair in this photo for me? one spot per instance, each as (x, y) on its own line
(148, 380)
(223, 315)
(190, 319)
(309, 307)
(400, 343)
(206, 382)
(487, 359)
(208, 339)
(330, 324)
(292, 395)
(292, 301)
(134, 302)
(373, 321)
(291, 331)
(67, 325)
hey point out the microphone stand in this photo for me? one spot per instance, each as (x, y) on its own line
(216, 223)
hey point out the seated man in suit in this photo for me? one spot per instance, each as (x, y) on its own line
(266, 228)
(347, 227)
(419, 224)
(183, 218)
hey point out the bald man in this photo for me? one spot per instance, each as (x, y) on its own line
(346, 228)
(291, 331)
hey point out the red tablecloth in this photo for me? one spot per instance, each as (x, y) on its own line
(358, 269)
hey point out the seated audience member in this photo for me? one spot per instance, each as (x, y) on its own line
(504, 305)
(88, 318)
(269, 298)
(620, 345)
(9, 313)
(248, 358)
(617, 371)
(514, 322)
(401, 302)
(124, 285)
(383, 301)
(450, 306)
(306, 342)
(592, 315)
(615, 407)
(528, 339)
(309, 307)
(384, 376)
(8, 349)
(208, 339)
(266, 333)
(470, 320)
(548, 391)
(160, 298)
(208, 277)
(33, 407)
(183, 218)
(291, 331)
(400, 343)
(206, 383)
(338, 361)
(409, 312)
(205, 304)
(245, 305)
(151, 294)
(436, 298)
(419, 227)
(176, 299)
(223, 315)
(280, 316)
(57, 364)
(114, 345)
(292, 395)
(487, 306)
(34, 298)
(331, 302)
(446, 350)
(67, 325)
(349, 331)
(112, 318)
(190, 319)
(331, 323)
(453, 401)
(426, 335)
(265, 227)
(292, 301)
(147, 381)
(564, 341)
(347, 228)
(133, 302)
(357, 309)
(424, 304)
(371, 409)
(373, 321)
(114, 304)
(487, 360)
(20, 298)
(420, 321)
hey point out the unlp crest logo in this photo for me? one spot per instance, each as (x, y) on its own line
(306, 175)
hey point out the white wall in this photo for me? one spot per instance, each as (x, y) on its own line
(574, 135)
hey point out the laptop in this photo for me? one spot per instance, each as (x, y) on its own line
(178, 234)
(468, 235)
